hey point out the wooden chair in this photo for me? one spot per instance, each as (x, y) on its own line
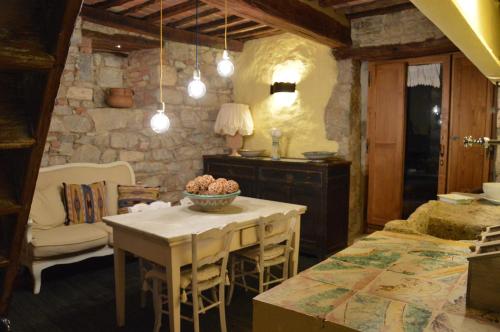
(275, 234)
(207, 272)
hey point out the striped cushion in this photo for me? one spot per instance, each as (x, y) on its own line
(84, 203)
(130, 195)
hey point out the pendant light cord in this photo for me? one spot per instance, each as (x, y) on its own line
(225, 24)
(161, 55)
(197, 33)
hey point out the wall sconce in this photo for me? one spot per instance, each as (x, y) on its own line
(282, 87)
(283, 94)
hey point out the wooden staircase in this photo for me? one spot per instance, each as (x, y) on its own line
(34, 43)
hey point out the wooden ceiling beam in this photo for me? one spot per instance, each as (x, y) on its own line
(380, 11)
(138, 7)
(139, 26)
(252, 33)
(342, 3)
(398, 51)
(118, 43)
(110, 3)
(216, 24)
(290, 15)
(171, 11)
(192, 18)
(243, 27)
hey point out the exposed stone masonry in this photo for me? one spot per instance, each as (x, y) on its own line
(85, 129)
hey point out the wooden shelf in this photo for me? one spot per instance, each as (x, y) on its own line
(24, 55)
(8, 202)
(4, 261)
(15, 128)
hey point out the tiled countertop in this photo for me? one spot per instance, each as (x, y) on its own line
(385, 282)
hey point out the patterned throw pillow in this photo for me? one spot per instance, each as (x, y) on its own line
(131, 195)
(84, 203)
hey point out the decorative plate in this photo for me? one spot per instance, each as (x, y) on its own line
(212, 202)
(250, 153)
(319, 156)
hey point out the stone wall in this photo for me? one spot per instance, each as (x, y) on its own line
(84, 129)
(342, 122)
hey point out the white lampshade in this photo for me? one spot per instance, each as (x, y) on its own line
(234, 119)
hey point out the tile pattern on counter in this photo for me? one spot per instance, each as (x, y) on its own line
(388, 282)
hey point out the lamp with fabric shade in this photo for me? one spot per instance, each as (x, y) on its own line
(234, 121)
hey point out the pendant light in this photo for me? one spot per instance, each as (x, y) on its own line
(160, 121)
(225, 67)
(196, 88)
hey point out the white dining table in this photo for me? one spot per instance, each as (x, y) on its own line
(164, 236)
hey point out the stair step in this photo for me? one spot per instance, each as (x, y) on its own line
(15, 128)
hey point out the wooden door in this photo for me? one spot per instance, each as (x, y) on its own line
(386, 141)
(471, 104)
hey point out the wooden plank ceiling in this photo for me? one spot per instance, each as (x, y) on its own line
(360, 8)
(178, 18)
(247, 20)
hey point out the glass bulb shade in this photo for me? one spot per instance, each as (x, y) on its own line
(196, 88)
(160, 122)
(225, 67)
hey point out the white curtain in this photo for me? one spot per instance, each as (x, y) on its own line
(429, 75)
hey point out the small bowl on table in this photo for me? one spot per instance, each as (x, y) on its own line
(211, 203)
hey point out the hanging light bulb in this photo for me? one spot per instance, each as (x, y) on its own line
(196, 88)
(225, 67)
(160, 121)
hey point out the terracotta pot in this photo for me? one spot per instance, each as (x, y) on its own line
(120, 97)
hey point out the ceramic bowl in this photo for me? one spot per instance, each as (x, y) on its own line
(250, 153)
(319, 155)
(212, 202)
(492, 190)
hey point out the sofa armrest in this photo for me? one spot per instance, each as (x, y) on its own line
(28, 233)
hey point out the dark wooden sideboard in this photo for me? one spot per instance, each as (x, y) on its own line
(322, 187)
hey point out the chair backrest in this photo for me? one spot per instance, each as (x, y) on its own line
(276, 229)
(218, 240)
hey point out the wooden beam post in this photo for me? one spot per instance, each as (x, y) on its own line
(119, 43)
(396, 51)
(131, 24)
(292, 16)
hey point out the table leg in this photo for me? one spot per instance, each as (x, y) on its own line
(173, 271)
(294, 261)
(119, 258)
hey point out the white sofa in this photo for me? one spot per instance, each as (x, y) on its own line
(48, 240)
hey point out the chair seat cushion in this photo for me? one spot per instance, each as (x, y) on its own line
(65, 240)
(270, 253)
(206, 273)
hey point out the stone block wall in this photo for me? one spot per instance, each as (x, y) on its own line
(85, 129)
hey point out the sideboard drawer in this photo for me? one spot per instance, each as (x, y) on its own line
(289, 176)
(231, 170)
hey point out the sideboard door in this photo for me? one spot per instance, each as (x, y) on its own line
(311, 227)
